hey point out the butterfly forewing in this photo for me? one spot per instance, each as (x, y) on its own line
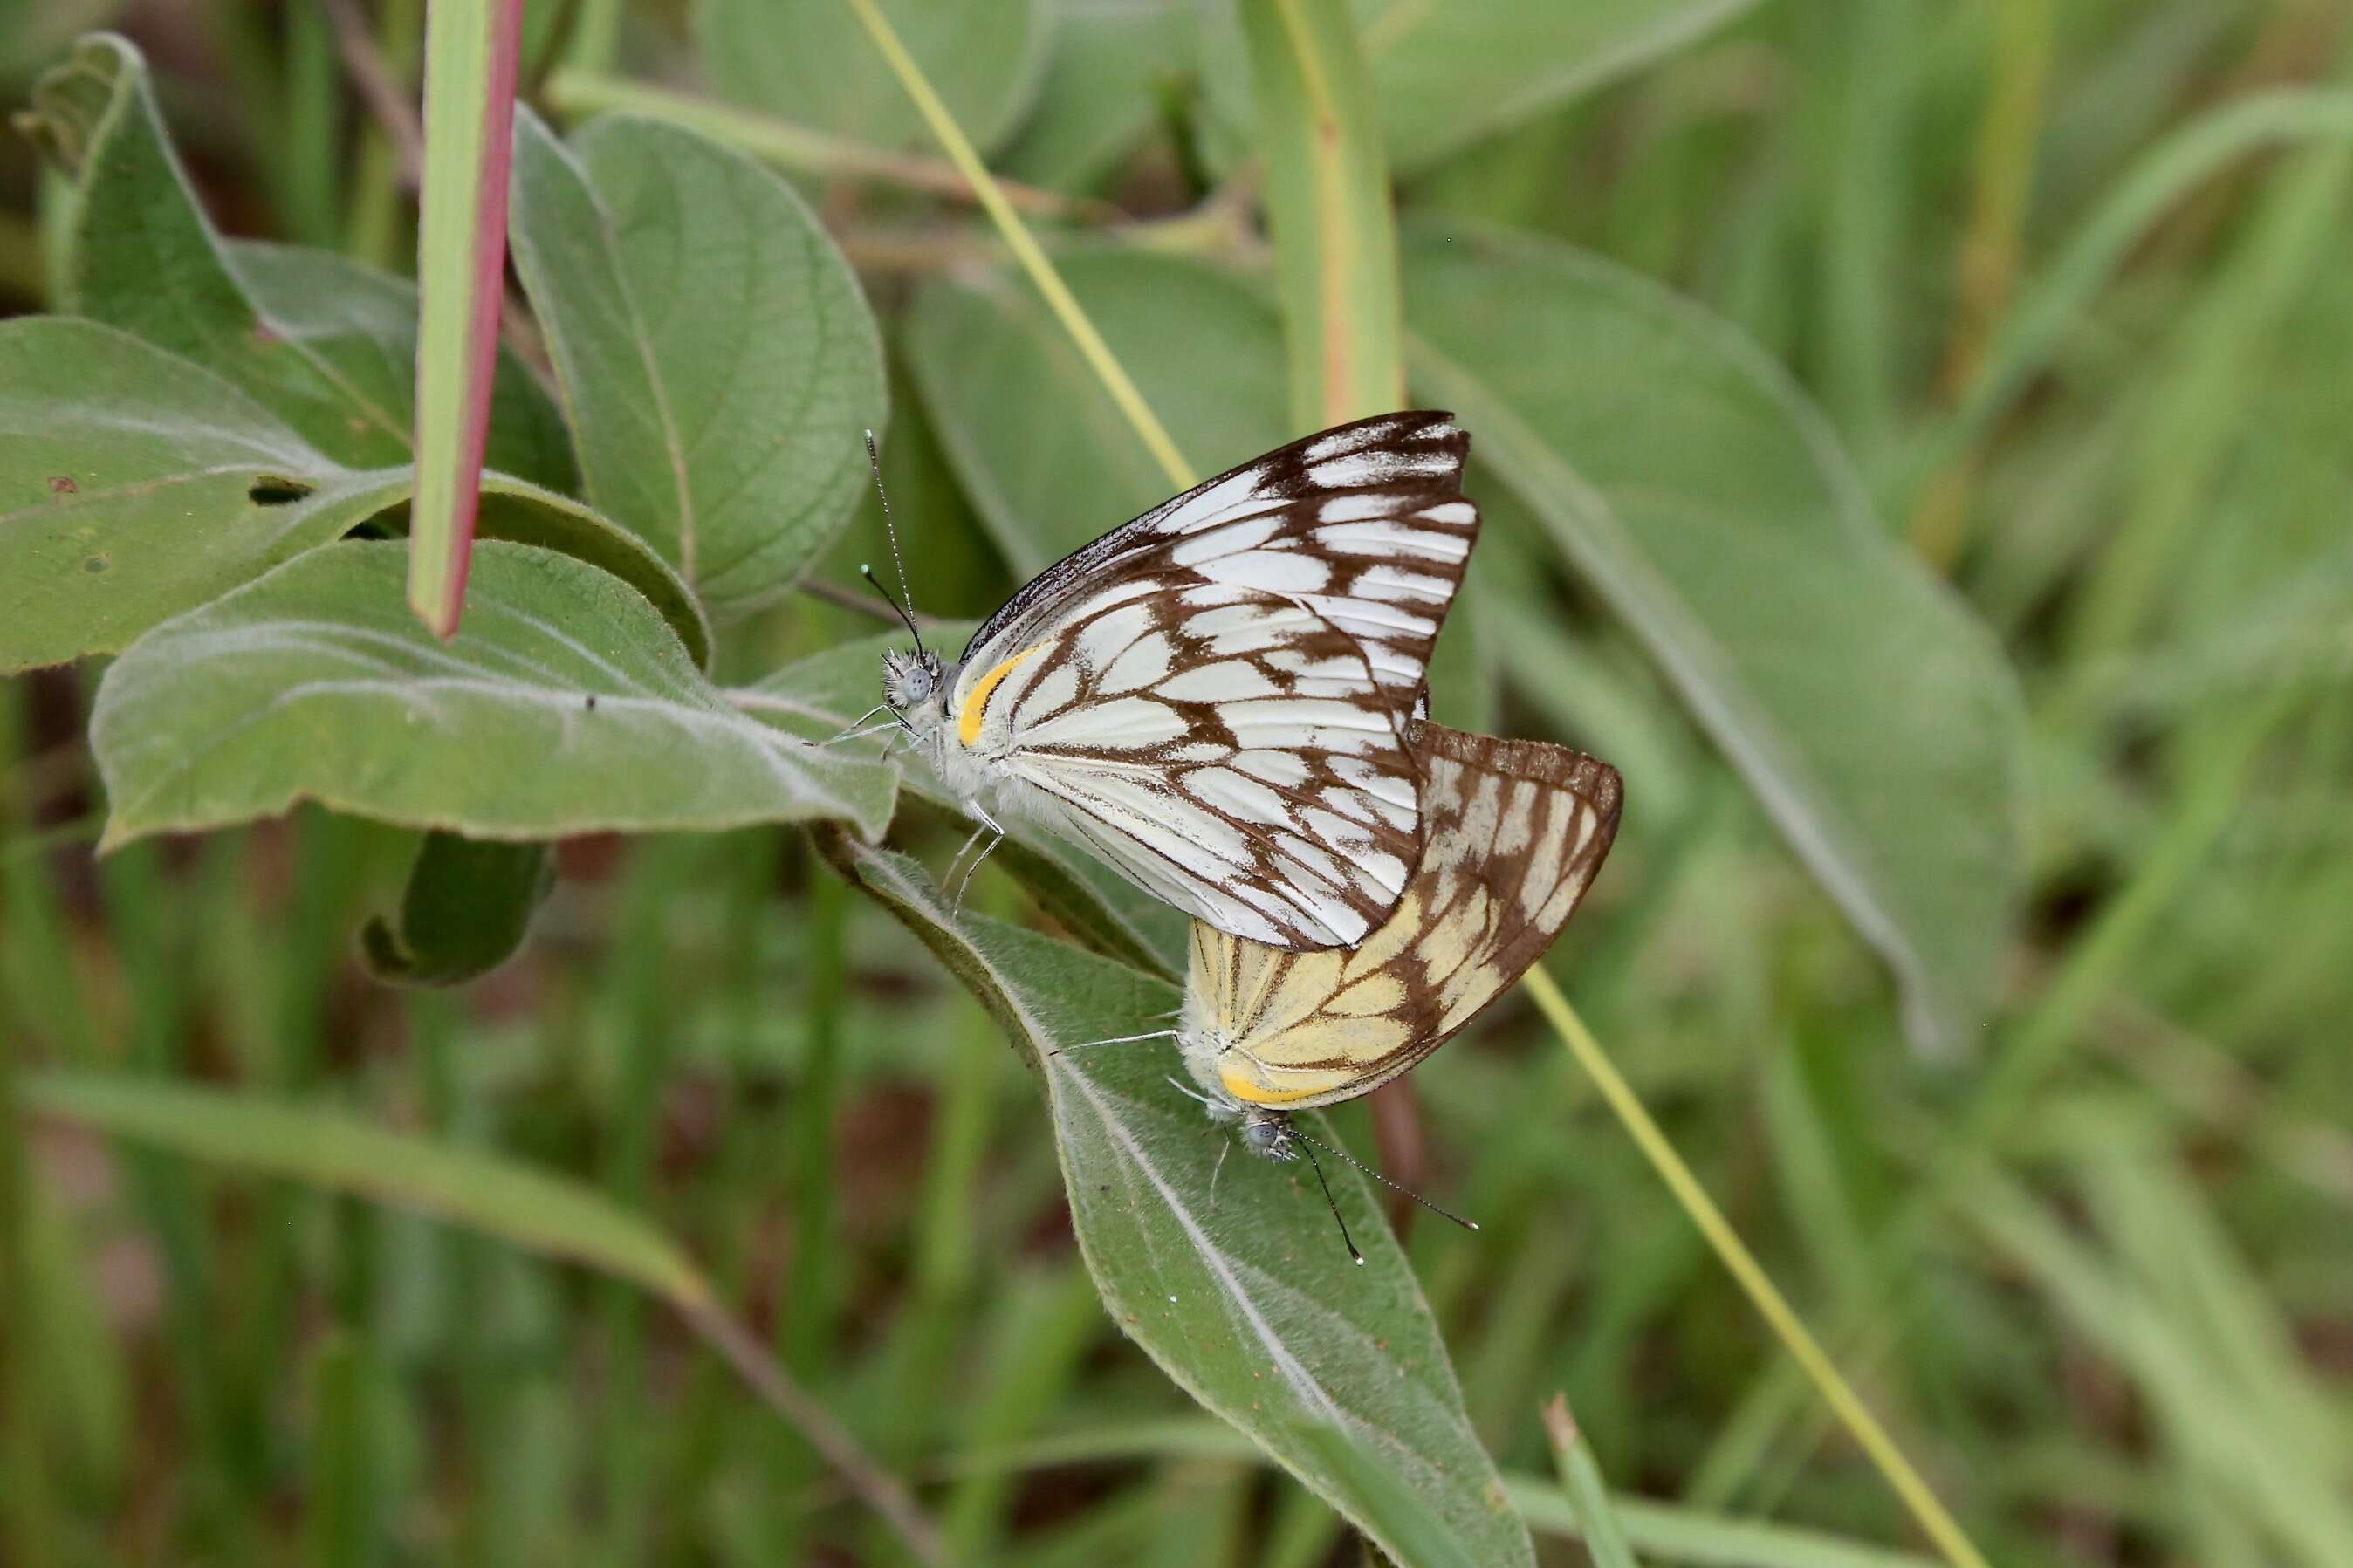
(1365, 524)
(1514, 833)
(1216, 697)
(1218, 744)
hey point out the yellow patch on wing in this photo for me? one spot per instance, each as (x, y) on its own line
(1251, 1089)
(976, 705)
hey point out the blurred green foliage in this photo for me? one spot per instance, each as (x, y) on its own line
(2067, 283)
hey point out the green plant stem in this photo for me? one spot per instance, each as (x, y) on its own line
(310, 125)
(576, 94)
(373, 229)
(28, 1509)
(808, 1314)
(2008, 139)
(470, 77)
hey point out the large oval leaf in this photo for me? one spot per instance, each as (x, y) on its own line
(1447, 72)
(1248, 1301)
(814, 65)
(134, 485)
(565, 705)
(1679, 470)
(717, 359)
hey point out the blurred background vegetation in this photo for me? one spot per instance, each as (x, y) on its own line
(2097, 1272)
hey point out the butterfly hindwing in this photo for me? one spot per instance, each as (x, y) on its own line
(1514, 831)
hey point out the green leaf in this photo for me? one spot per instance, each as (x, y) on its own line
(813, 64)
(1327, 201)
(1046, 457)
(1448, 72)
(566, 705)
(466, 910)
(816, 697)
(144, 259)
(362, 322)
(1580, 1481)
(328, 1149)
(717, 359)
(1111, 71)
(1870, 714)
(1249, 1304)
(134, 485)
(1408, 1531)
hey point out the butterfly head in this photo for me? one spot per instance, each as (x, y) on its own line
(1267, 1134)
(910, 680)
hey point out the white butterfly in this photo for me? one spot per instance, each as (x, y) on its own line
(1215, 697)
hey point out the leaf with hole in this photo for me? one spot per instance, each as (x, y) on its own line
(134, 485)
(565, 705)
(1250, 1302)
(718, 361)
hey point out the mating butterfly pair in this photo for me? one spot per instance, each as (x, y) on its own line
(1221, 699)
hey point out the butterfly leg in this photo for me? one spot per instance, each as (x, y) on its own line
(856, 727)
(1218, 1169)
(1114, 1040)
(989, 824)
(949, 876)
(1217, 1111)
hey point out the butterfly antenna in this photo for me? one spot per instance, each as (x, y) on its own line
(1393, 1186)
(898, 563)
(1331, 1203)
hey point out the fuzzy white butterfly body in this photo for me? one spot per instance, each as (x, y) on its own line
(1215, 697)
